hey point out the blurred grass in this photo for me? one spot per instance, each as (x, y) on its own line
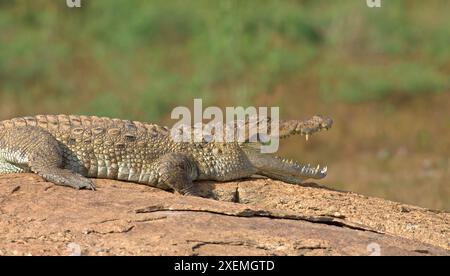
(379, 82)
(144, 51)
(383, 74)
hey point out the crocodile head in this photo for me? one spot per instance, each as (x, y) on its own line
(280, 168)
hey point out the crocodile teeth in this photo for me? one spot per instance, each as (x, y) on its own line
(324, 170)
(306, 137)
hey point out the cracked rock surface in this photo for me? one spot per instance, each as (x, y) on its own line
(251, 217)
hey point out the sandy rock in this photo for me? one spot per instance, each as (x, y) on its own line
(39, 218)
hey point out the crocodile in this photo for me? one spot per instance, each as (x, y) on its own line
(69, 150)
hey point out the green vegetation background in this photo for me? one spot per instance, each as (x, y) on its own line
(382, 73)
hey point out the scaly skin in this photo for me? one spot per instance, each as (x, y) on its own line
(68, 150)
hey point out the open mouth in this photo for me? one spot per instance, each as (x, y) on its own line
(271, 165)
(306, 128)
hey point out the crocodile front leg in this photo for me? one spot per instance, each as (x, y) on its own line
(30, 148)
(178, 171)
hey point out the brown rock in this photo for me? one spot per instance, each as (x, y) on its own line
(38, 218)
